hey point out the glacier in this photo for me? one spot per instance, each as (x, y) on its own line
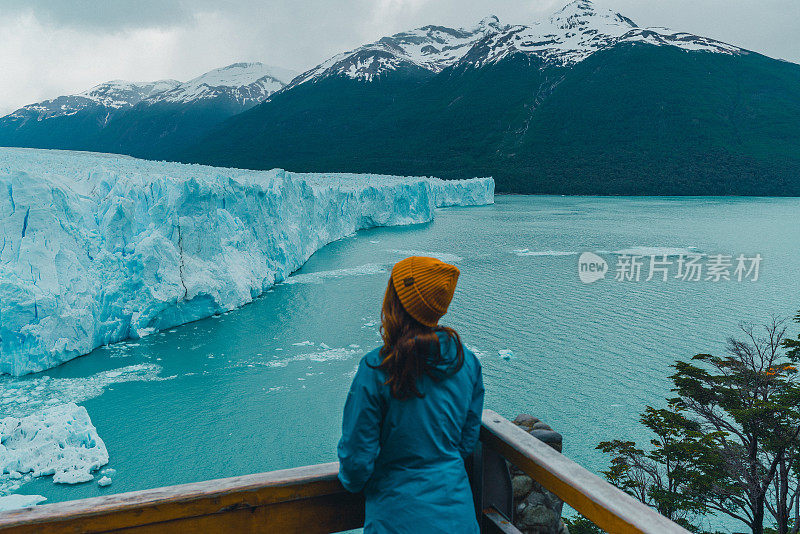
(98, 248)
(59, 441)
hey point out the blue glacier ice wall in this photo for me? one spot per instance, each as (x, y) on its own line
(97, 248)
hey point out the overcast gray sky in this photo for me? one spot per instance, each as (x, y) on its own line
(54, 47)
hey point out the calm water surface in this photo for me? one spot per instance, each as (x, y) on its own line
(262, 387)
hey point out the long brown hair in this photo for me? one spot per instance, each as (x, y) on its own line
(411, 349)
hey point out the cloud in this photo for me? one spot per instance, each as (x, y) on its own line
(105, 15)
(40, 62)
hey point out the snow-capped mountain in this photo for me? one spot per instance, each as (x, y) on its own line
(577, 31)
(245, 83)
(115, 94)
(147, 119)
(568, 36)
(431, 48)
(584, 101)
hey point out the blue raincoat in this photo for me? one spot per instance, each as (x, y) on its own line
(407, 455)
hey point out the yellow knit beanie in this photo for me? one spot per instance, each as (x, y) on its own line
(425, 287)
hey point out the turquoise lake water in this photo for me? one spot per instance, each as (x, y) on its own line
(262, 387)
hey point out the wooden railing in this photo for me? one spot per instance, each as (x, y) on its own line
(304, 499)
(311, 500)
(603, 504)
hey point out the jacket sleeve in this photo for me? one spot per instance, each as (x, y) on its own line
(361, 428)
(472, 426)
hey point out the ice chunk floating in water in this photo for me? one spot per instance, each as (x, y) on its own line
(657, 251)
(21, 396)
(97, 248)
(13, 502)
(528, 252)
(319, 277)
(442, 256)
(59, 441)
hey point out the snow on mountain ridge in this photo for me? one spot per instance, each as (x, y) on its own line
(430, 47)
(122, 93)
(577, 31)
(116, 94)
(567, 37)
(247, 83)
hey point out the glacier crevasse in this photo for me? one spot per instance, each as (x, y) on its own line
(98, 248)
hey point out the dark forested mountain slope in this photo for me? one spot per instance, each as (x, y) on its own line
(635, 118)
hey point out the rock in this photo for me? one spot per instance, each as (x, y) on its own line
(537, 510)
(526, 420)
(549, 437)
(535, 499)
(536, 516)
(521, 485)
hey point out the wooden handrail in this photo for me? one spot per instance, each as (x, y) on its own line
(304, 499)
(311, 500)
(604, 505)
